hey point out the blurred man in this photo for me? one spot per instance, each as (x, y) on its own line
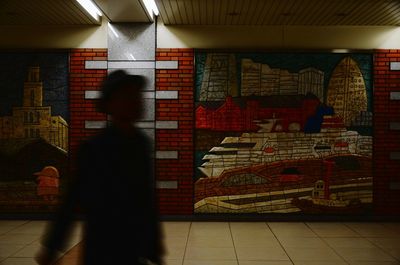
(113, 187)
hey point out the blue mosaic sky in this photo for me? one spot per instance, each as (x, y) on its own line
(53, 73)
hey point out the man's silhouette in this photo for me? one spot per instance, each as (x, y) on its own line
(114, 187)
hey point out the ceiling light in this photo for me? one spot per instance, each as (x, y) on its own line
(91, 8)
(151, 7)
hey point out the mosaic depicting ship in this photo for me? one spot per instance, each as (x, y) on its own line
(272, 171)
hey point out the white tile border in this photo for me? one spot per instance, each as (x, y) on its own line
(167, 125)
(95, 124)
(167, 154)
(166, 184)
(394, 155)
(131, 64)
(92, 94)
(167, 65)
(395, 95)
(96, 64)
(395, 66)
(394, 126)
(168, 94)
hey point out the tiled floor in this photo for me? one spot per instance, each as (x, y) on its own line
(224, 243)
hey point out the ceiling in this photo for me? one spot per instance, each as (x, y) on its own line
(208, 12)
(280, 12)
(43, 12)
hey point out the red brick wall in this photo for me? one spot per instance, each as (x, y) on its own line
(176, 201)
(386, 201)
(80, 80)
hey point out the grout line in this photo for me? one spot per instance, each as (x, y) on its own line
(233, 242)
(326, 243)
(186, 245)
(373, 243)
(287, 254)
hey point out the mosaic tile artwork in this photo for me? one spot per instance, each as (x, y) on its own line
(283, 133)
(33, 131)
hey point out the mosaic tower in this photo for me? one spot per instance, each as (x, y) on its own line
(346, 91)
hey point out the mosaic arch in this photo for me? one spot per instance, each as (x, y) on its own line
(283, 133)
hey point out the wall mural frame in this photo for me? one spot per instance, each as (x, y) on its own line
(34, 91)
(283, 132)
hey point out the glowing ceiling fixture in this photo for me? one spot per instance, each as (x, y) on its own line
(151, 8)
(91, 8)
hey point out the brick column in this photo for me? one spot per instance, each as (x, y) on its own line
(386, 155)
(81, 108)
(174, 163)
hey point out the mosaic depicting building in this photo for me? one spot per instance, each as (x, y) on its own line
(33, 120)
(346, 91)
(285, 148)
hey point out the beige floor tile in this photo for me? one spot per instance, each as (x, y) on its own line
(312, 254)
(6, 250)
(18, 239)
(319, 262)
(394, 252)
(31, 228)
(303, 242)
(210, 253)
(255, 241)
(204, 232)
(362, 254)
(291, 229)
(210, 242)
(373, 263)
(346, 242)
(5, 229)
(261, 253)
(263, 233)
(28, 251)
(385, 242)
(18, 261)
(173, 261)
(332, 229)
(14, 223)
(175, 241)
(264, 262)
(372, 230)
(209, 262)
(176, 228)
(175, 252)
(248, 225)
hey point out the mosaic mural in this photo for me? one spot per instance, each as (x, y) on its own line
(283, 133)
(33, 130)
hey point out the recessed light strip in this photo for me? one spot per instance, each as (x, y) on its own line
(151, 8)
(91, 8)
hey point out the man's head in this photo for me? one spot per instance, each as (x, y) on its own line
(121, 95)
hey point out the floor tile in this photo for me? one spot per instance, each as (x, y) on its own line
(173, 261)
(248, 225)
(385, 242)
(303, 242)
(349, 242)
(312, 254)
(28, 251)
(332, 230)
(319, 262)
(290, 229)
(261, 253)
(210, 242)
(18, 261)
(6, 250)
(209, 262)
(373, 263)
(264, 262)
(18, 239)
(372, 230)
(362, 254)
(210, 253)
